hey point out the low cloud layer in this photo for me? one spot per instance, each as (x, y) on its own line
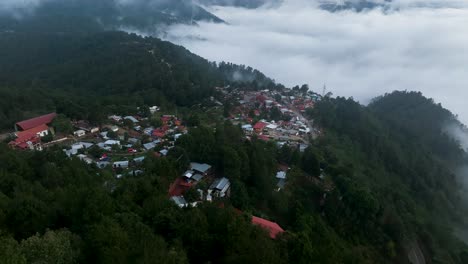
(414, 45)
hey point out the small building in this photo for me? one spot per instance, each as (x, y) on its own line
(114, 128)
(247, 127)
(153, 109)
(115, 118)
(131, 118)
(133, 140)
(259, 126)
(111, 142)
(220, 187)
(201, 168)
(121, 164)
(179, 201)
(281, 175)
(104, 135)
(79, 133)
(102, 164)
(280, 185)
(85, 158)
(151, 145)
(197, 177)
(139, 159)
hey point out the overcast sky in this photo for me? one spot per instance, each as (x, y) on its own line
(355, 54)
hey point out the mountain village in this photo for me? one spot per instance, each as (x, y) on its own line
(124, 142)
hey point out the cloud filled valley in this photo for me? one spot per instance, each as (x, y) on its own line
(405, 46)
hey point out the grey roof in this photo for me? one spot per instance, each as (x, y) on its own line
(220, 184)
(197, 177)
(200, 167)
(133, 140)
(149, 146)
(281, 183)
(139, 159)
(179, 200)
(281, 175)
(131, 118)
(122, 164)
(188, 173)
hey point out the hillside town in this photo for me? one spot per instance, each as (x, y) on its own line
(122, 143)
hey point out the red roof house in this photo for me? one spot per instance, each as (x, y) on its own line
(178, 187)
(32, 135)
(273, 228)
(159, 132)
(259, 126)
(35, 122)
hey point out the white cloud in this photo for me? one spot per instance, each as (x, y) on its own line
(356, 54)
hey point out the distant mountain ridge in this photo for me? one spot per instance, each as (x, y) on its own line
(237, 3)
(356, 5)
(90, 15)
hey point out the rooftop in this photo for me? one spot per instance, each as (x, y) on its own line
(200, 167)
(35, 122)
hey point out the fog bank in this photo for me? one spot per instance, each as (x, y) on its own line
(414, 45)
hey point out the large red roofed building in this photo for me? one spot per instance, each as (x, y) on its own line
(28, 138)
(273, 228)
(35, 122)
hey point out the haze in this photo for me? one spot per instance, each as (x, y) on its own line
(409, 45)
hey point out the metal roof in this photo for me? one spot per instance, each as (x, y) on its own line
(37, 121)
(220, 184)
(179, 200)
(200, 167)
(197, 177)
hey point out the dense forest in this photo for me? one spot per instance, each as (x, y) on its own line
(82, 16)
(385, 193)
(88, 76)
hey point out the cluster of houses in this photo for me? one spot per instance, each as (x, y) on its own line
(129, 142)
(219, 188)
(198, 172)
(253, 108)
(114, 137)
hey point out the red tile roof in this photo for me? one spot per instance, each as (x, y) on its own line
(31, 132)
(178, 187)
(273, 228)
(259, 126)
(37, 121)
(23, 137)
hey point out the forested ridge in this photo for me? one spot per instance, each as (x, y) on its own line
(83, 16)
(88, 76)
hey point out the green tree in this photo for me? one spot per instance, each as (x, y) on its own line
(10, 251)
(59, 247)
(62, 124)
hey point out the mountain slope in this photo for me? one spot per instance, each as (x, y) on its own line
(87, 15)
(40, 70)
(397, 150)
